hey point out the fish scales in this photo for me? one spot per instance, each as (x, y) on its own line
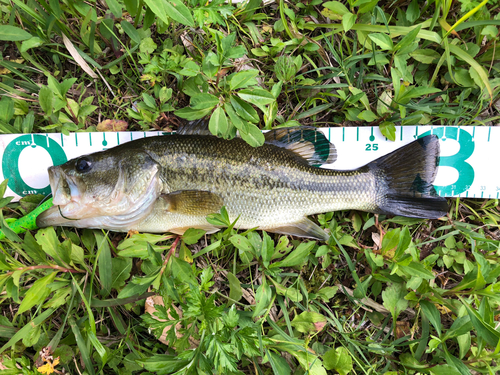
(265, 185)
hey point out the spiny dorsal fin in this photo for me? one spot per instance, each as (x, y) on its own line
(195, 127)
(306, 141)
(193, 202)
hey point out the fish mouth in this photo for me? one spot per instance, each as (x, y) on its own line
(64, 188)
(66, 195)
(52, 217)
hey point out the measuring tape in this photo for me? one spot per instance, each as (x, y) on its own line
(464, 167)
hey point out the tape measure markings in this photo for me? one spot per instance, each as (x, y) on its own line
(462, 172)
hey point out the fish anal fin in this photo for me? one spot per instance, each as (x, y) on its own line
(307, 142)
(193, 202)
(303, 228)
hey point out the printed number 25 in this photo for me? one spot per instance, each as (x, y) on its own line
(371, 147)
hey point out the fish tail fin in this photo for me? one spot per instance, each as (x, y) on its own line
(404, 180)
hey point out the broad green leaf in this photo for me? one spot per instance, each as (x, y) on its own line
(418, 270)
(218, 122)
(192, 114)
(348, 21)
(292, 293)
(163, 363)
(243, 79)
(131, 31)
(253, 136)
(474, 65)
(182, 271)
(242, 243)
(388, 130)
(104, 263)
(362, 97)
(244, 110)
(133, 289)
(310, 363)
(120, 271)
(336, 7)
(327, 293)
(159, 8)
(444, 370)
(115, 8)
(13, 33)
(37, 293)
(235, 291)
(27, 328)
(262, 298)
(297, 256)
(339, 360)
(417, 92)
(413, 11)
(367, 115)
(259, 97)
(309, 322)
(384, 41)
(484, 330)
(426, 55)
(267, 249)
(432, 313)
(6, 111)
(147, 45)
(408, 39)
(236, 120)
(82, 345)
(389, 242)
(192, 235)
(191, 69)
(278, 363)
(394, 301)
(47, 239)
(456, 363)
(204, 101)
(178, 12)
(31, 43)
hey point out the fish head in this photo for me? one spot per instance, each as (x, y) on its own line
(102, 185)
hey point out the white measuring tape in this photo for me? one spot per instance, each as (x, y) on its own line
(465, 168)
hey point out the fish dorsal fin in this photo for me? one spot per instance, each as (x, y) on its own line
(303, 228)
(195, 127)
(193, 202)
(306, 141)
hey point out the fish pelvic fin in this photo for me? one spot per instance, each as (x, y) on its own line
(404, 180)
(303, 228)
(307, 142)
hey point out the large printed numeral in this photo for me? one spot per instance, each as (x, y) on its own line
(457, 161)
(11, 167)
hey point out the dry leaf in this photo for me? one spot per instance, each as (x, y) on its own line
(78, 58)
(112, 126)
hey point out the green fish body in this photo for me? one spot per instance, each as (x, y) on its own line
(171, 183)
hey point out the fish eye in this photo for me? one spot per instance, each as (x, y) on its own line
(83, 164)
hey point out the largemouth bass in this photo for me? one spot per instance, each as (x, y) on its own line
(171, 183)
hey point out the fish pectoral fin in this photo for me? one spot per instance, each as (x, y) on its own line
(192, 202)
(303, 228)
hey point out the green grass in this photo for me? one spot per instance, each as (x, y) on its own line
(423, 300)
